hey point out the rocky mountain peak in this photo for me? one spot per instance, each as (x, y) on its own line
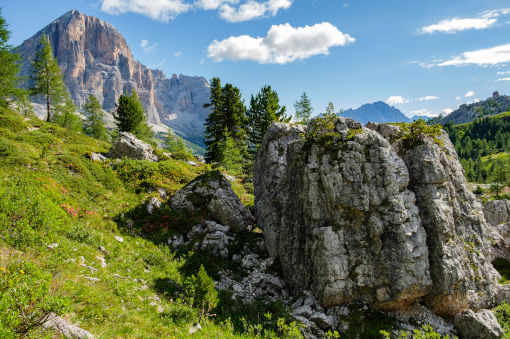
(95, 59)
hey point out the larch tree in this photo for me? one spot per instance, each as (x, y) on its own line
(264, 110)
(214, 122)
(303, 109)
(9, 67)
(94, 125)
(46, 77)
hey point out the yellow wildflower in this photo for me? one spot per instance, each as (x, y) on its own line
(22, 272)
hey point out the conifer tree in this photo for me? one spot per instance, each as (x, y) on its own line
(130, 116)
(232, 158)
(303, 109)
(65, 116)
(214, 122)
(264, 110)
(9, 67)
(94, 125)
(227, 111)
(47, 78)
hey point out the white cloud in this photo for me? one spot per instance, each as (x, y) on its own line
(396, 99)
(469, 94)
(147, 47)
(457, 24)
(476, 100)
(503, 79)
(252, 10)
(427, 98)
(162, 10)
(229, 10)
(485, 20)
(423, 113)
(482, 57)
(177, 54)
(502, 73)
(213, 4)
(447, 110)
(457, 98)
(283, 44)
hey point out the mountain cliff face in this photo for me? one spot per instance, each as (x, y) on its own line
(95, 59)
(376, 112)
(468, 112)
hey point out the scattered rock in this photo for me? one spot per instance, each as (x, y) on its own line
(480, 325)
(229, 177)
(153, 204)
(119, 276)
(192, 163)
(102, 261)
(91, 278)
(52, 246)
(119, 238)
(92, 269)
(63, 327)
(211, 193)
(194, 328)
(102, 249)
(128, 146)
(200, 159)
(97, 157)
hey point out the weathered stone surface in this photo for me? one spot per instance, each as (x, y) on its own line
(497, 213)
(340, 217)
(354, 216)
(480, 325)
(65, 328)
(211, 193)
(128, 146)
(97, 157)
(152, 205)
(95, 59)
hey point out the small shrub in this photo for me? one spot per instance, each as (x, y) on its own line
(201, 292)
(412, 131)
(502, 313)
(25, 298)
(81, 234)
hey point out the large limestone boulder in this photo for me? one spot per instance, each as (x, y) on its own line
(497, 213)
(128, 146)
(480, 325)
(211, 193)
(355, 217)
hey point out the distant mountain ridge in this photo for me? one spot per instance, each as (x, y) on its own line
(469, 112)
(376, 112)
(95, 59)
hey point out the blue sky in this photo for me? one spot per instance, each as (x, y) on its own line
(423, 57)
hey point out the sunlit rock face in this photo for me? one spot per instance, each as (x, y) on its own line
(356, 215)
(95, 59)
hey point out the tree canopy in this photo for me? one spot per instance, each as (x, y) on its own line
(9, 67)
(46, 77)
(303, 109)
(93, 125)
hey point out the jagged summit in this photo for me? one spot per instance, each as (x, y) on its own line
(96, 59)
(376, 112)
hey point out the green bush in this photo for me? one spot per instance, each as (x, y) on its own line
(201, 292)
(25, 298)
(28, 217)
(502, 313)
(426, 332)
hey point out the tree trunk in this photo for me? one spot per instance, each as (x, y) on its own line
(48, 100)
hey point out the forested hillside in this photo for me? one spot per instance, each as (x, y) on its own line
(484, 148)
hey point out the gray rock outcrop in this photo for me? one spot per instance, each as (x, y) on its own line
(128, 146)
(212, 193)
(65, 328)
(497, 213)
(355, 217)
(480, 325)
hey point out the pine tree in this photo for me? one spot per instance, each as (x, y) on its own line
(130, 116)
(9, 67)
(65, 116)
(214, 122)
(264, 110)
(227, 111)
(94, 125)
(303, 109)
(232, 158)
(46, 77)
